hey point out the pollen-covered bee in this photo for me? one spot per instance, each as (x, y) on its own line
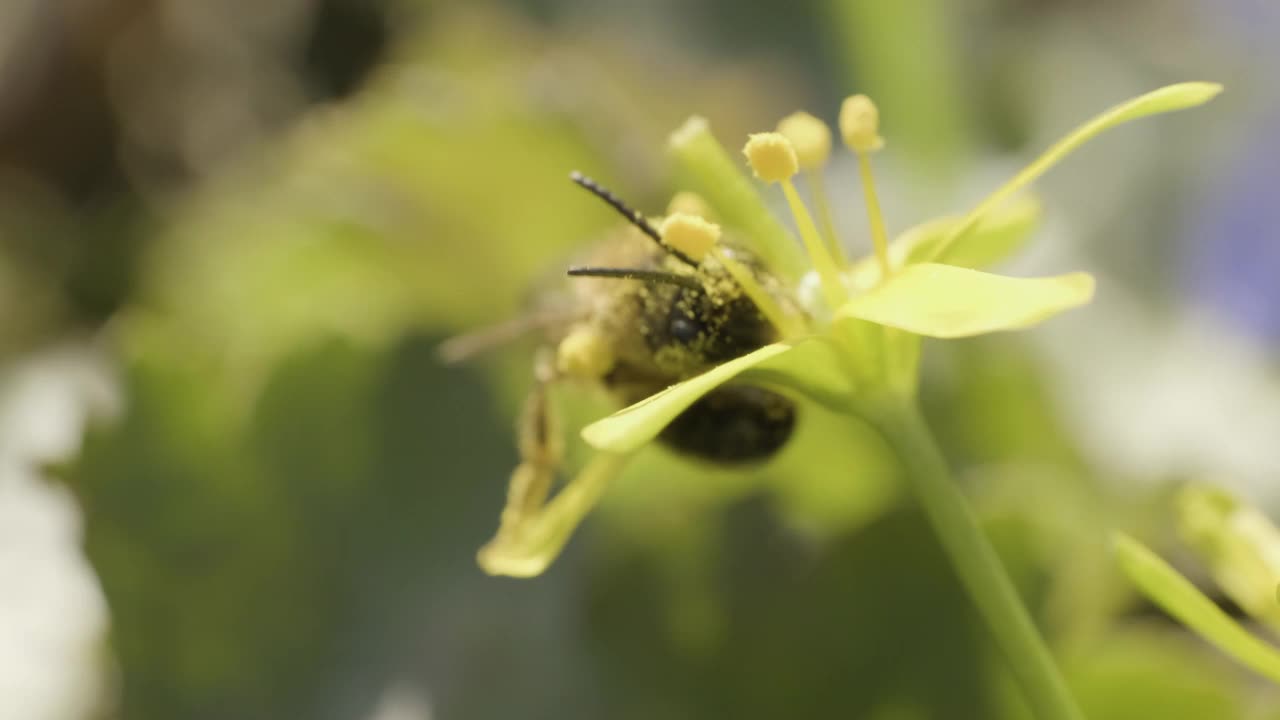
(646, 310)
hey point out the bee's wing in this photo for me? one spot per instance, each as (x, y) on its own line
(460, 348)
(553, 304)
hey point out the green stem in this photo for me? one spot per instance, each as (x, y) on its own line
(976, 562)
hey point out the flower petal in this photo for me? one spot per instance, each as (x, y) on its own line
(810, 366)
(529, 540)
(1166, 99)
(998, 235)
(946, 301)
(1167, 588)
(1000, 232)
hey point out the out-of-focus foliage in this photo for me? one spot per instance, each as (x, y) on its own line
(263, 515)
(269, 215)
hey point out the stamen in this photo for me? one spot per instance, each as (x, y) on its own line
(773, 159)
(860, 124)
(690, 234)
(636, 274)
(812, 141)
(860, 127)
(633, 216)
(787, 324)
(810, 138)
(818, 189)
(690, 203)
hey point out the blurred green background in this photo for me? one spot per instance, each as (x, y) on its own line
(236, 481)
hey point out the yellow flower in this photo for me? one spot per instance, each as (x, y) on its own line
(858, 350)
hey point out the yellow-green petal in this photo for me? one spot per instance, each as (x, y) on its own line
(528, 541)
(945, 301)
(998, 235)
(1166, 99)
(810, 366)
(1167, 588)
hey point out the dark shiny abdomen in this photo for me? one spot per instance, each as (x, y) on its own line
(733, 424)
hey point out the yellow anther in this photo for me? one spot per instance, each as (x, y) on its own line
(809, 136)
(771, 156)
(689, 234)
(584, 353)
(860, 124)
(690, 203)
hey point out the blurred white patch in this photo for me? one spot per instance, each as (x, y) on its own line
(46, 399)
(402, 701)
(53, 617)
(1167, 397)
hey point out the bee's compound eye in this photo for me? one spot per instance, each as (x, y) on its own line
(684, 329)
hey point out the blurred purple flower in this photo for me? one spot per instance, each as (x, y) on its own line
(1233, 255)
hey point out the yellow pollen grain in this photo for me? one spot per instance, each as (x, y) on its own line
(860, 124)
(771, 156)
(689, 234)
(809, 136)
(583, 353)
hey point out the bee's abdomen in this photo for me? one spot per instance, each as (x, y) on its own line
(734, 424)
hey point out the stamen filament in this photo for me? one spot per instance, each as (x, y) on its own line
(818, 188)
(786, 323)
(879, 237)
(829, 276)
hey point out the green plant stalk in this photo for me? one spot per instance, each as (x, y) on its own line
(974, 560)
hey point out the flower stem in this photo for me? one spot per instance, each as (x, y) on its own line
(879, 238)
(976, 562)
(818, 189)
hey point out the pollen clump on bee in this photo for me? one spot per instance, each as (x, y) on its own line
(860, 124)
(584, 353)
(690, 234)
(809, 136)
(771, 156)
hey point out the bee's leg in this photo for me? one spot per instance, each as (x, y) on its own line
(534, 526)
(541, 444)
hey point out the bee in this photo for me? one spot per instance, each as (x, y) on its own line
(636, 317)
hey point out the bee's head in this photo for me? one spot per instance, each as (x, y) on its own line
(689, 305)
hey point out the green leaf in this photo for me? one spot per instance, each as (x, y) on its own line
(945, 301)
(1166, 99)
(999, 233)
(528, 541)
(810, 366)
(1173, 592)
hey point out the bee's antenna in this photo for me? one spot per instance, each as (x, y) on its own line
(636, 274)
(632, 216)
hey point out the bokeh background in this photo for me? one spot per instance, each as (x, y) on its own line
(236, 481)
